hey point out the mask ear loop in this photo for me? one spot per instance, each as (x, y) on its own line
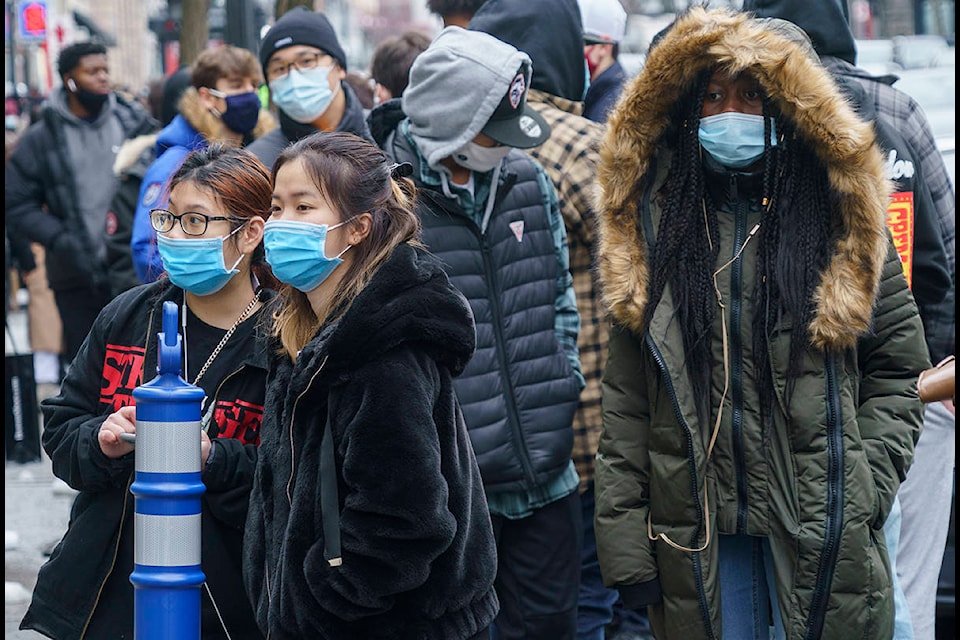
(726, 386)
(230, 235)
(346, 248)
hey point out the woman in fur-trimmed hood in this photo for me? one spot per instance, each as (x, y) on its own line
(760, 406)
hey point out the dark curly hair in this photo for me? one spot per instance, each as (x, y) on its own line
(794, 243)
(70, 56)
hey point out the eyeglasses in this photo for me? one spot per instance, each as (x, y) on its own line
(192, 223)
(305, 62)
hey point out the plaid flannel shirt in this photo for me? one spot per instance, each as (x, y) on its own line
(939, 323)
(570, 157)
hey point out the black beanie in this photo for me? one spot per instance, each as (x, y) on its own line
(301, 26)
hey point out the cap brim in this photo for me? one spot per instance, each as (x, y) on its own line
(526, 131)
(596, 40)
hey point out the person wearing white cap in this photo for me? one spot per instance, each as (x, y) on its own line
(604, 25)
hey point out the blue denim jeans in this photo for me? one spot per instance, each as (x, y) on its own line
(902, 624)
(595, 601)
(747, 593)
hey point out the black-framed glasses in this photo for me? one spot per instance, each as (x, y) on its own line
(192, 222)
(304, 62)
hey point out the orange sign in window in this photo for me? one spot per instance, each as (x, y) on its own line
(900, 220)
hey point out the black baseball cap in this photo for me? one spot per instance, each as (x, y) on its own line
(514, 123)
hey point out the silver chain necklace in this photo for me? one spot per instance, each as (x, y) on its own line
(223, 341)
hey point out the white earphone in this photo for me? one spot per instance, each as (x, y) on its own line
(71, 85)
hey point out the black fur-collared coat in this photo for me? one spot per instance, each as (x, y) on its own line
(417, 557)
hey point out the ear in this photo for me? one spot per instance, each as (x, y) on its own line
(207, 99)
(360, 228)
(251, 235)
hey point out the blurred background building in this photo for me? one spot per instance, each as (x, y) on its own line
(146, 37)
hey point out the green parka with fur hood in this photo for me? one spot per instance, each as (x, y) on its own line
(818, 477)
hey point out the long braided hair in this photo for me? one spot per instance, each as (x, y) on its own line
(799, 221)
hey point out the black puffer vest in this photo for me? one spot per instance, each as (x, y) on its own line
(518, 393)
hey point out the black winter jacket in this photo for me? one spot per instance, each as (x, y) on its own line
(41, 199)
(417, 554)
(79, 583)
(133, 160)
(269, 146)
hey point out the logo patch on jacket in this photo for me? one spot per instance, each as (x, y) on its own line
(238, 419)
(897, 168)
(517, 228)
(122, 368)
(151, 193)
(900, 220)
(111, 222)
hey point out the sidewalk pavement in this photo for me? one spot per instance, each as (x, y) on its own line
(36, 512)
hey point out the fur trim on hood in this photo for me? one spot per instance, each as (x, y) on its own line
(805, 93)
(130, 152)
(210, 126)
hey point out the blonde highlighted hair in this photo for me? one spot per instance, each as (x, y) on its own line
(355, 177)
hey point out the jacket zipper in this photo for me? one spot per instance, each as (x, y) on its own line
(127, 498)
(834, 517)
(736, 357)
(209, 591)
(694, 487)
(216, 394)
(293, 414)
(502, 359)
(113, 562)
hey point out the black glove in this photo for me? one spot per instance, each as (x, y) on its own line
(64, 246)
(69, 252)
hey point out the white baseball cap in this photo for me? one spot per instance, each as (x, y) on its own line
(604, 21)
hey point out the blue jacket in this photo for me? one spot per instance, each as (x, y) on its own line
(174, 143)
(192, 129)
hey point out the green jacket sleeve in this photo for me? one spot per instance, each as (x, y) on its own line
(622, 474)
(890, 413)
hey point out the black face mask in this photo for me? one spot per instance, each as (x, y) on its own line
(91, 101)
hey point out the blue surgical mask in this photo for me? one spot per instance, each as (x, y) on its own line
(243, 110)
(297, 254)
(478, 158)
(734, 139)
(304, 95)
(196, 264)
